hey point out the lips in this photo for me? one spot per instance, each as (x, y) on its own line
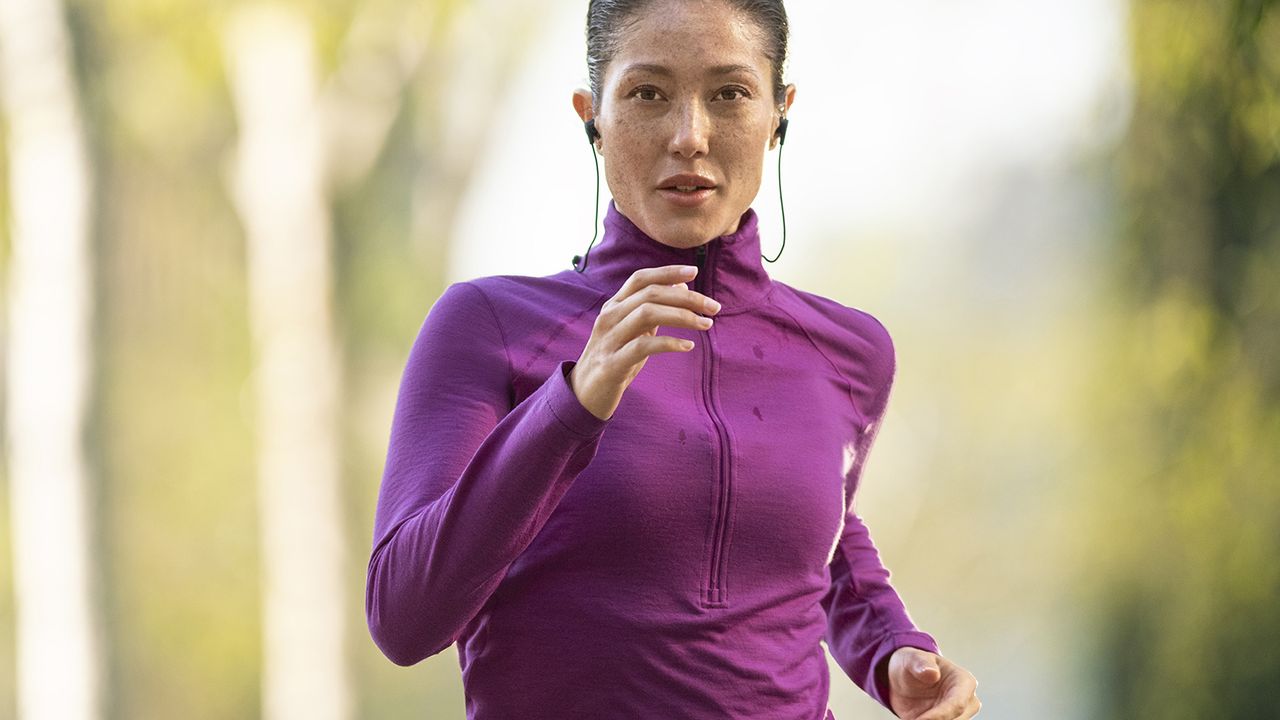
(687, 183)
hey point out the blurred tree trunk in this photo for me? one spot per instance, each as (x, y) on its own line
(394, 211)
(58, 663)
(279, 188)
(304, 139)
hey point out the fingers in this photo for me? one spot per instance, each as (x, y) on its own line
(642, 347)
(625, 332)
(638, 332)
(958, 704)
(626, 329)
(666, 283)
(647, 317)
(654, 305)
(665, 274)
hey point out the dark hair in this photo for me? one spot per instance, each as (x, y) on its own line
(607, 20)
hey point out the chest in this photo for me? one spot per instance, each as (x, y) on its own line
(721, 470)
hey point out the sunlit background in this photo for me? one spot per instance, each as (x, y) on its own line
(224, 223)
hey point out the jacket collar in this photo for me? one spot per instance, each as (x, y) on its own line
(732, 272)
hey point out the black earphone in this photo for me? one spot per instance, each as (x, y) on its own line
(593, 135)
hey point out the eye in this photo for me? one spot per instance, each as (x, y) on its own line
(645, 90)
(734, 89)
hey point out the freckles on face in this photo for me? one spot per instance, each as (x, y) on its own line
(689, 91)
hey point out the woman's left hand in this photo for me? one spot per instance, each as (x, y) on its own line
(927, 686)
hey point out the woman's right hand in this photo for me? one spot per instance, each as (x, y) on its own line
(626, 333)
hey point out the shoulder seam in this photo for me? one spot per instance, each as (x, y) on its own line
(847, 383)
(506, 348)
(882, 399)
(595, 304)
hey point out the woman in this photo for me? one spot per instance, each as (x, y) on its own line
(663, 527)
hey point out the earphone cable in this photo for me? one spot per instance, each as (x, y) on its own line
(783, 209)
(596, 229)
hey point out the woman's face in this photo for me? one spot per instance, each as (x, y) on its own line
(689, 91)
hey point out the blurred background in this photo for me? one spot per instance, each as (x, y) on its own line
(224, 223)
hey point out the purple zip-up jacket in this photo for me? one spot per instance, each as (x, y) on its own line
(681, 559)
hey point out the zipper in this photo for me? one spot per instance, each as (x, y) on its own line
(714, 592)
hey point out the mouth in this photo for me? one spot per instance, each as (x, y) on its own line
(687, 182)
(687, 196)
(687, 189)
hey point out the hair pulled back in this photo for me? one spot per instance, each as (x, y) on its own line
(608, 20)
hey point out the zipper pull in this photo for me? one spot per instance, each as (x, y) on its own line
(700, 259)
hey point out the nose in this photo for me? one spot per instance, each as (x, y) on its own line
(692, 128)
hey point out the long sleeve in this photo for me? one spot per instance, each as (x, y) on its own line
(469, 480)
(866, 618)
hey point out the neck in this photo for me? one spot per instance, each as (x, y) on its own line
(731, 271)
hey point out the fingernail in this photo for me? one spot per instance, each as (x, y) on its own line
(712, 305)
(689, 270)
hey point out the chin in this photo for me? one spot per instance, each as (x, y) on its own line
(685, 233)
(685, 229)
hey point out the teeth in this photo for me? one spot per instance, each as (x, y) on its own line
(686, 188)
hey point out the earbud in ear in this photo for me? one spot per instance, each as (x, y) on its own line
(781, 132)
(592, 133)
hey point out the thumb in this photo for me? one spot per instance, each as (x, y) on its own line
(925, 668)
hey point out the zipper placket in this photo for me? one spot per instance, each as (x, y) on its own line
(714, 591)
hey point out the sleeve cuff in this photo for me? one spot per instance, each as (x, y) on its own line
(915, 639)
(564, 403)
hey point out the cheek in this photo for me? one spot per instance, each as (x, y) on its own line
(744, 147)
(624, 178)
(744, 160)
(631, 153)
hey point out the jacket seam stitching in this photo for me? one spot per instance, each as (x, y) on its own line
(506, 348)
(546, 401)
(867, 438)
(848, 384)
(875, 611)
(593, 305)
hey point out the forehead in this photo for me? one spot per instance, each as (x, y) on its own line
(690, 38)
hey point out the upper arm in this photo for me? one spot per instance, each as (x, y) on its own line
(455, 388)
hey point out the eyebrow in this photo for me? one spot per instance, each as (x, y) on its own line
(663, 70)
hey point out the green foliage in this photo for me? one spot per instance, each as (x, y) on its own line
(1186, 530)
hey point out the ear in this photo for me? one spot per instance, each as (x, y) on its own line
(582, 106)
(788, 98)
